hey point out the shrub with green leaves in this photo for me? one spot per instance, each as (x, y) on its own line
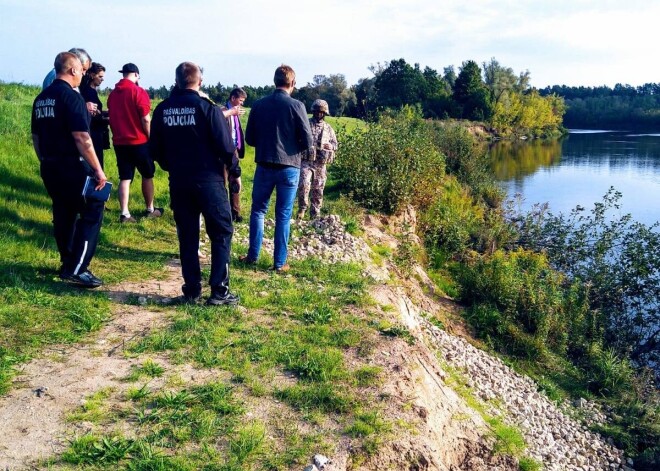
(391, 163)
(617, 258)
(526, 292)
(452, 220)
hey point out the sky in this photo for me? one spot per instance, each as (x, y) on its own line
(571, 42)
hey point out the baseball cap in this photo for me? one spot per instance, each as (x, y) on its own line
(128, 68)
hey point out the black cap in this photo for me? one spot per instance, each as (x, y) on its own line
(128, 68)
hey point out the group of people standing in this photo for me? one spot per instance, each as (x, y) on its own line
(198, 143)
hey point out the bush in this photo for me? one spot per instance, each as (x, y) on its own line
(527, 292)
(452, 220)
(620, 262)
(467, 159)
(392, 163)
(608, 373)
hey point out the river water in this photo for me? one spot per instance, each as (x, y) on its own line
(578, 169)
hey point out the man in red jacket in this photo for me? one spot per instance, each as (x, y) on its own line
(130, 121)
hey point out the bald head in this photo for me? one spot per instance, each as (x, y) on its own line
(68, 68)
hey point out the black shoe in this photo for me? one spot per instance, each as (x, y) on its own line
(237, 218)
(246, 260)
(156, 213)
(84, 280)
(229, 299)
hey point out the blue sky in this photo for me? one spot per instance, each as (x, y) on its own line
(572, 42)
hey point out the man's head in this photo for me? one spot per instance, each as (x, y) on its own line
(68, 68)
(189, 76)
(320, 109)
(84, 57)
(285, 78)
(237, 97)
(130, 71)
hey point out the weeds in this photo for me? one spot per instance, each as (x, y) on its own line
(149, 368)
(393, 330)
(94, 408)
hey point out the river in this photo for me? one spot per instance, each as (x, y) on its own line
(578, 169)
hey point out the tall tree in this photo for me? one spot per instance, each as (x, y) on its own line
(399, 84)
(449, 75)
(500, 80)
(365, 98)
(436, 95)
(471, 93)
(333, 88)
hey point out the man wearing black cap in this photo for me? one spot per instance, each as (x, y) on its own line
(128, 109)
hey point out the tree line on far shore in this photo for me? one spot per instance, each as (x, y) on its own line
(491, 93)
(623, 106)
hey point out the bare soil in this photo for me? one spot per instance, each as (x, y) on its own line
(33, 414)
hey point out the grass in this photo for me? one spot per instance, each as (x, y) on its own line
(94, 409)
(305, 329)
(36, 309)
(148, 368)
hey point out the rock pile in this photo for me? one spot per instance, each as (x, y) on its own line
(552, 437)
(324, 237)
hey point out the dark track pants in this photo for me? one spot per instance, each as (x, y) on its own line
(76, 223)
(210, 200)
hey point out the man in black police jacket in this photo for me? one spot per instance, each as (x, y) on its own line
(190, 139)
(60, 135)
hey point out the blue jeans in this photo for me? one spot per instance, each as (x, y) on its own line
(284, 181)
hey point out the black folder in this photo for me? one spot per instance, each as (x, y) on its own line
(90, 192)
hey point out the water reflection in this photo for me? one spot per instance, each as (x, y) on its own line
(516, 159)
(579, 169)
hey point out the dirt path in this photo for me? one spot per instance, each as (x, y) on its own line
(33, 414)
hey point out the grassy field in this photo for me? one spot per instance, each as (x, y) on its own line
(317, 325)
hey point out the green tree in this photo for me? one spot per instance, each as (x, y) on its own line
(400, 84)
(365, 98)
(502, 80)
(436, 95)
(449, 75)
(471, 93)
(333, 88)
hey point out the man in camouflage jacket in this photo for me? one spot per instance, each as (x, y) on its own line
(313, 169)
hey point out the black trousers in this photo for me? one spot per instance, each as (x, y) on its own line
(97, 140)
(76, 223)
(210, 200)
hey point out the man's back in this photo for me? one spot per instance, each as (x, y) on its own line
(127, 105)
(57, 111)
(190, 138)
(278, 128)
